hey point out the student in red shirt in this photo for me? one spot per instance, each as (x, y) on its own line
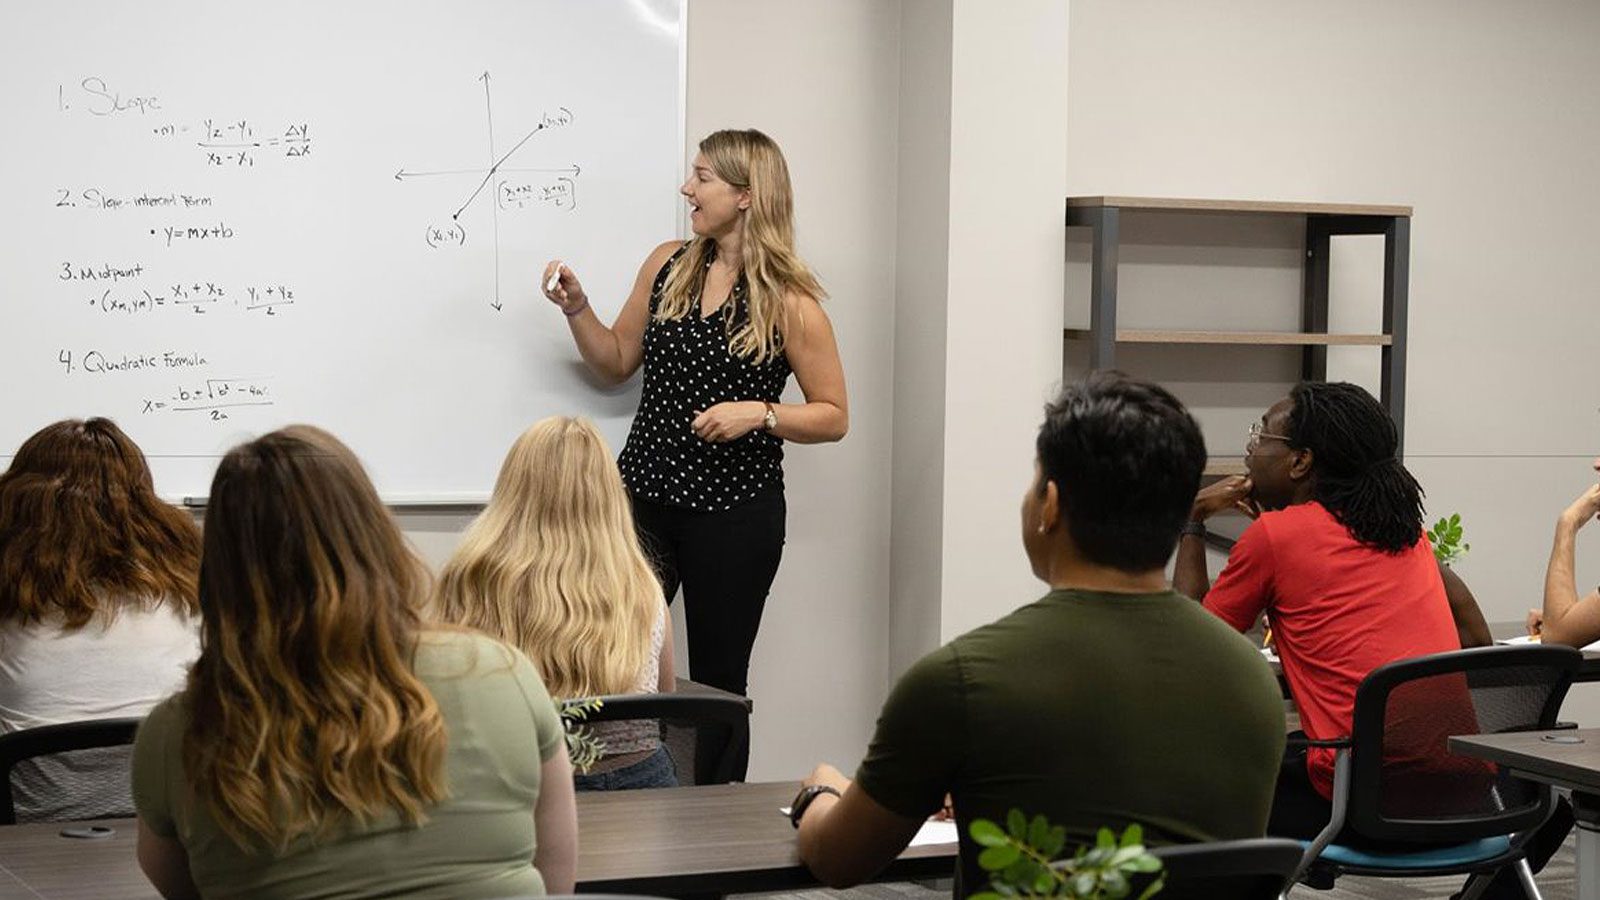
(1338, 562)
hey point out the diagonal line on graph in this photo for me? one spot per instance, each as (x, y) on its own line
(495, 168)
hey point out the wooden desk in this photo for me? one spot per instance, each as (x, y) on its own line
(685, 686)
(1588, 670)
(1566, 758)
(711, 839)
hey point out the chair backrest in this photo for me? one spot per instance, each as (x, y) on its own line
(705, 733)
(1247, 869)
(1406, 785)
(49, 740)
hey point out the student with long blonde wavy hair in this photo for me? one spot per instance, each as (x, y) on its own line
(329, 742)
(718, 323)
(98, 608)
(553, 567)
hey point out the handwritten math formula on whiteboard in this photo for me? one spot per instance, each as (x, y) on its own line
(226, 219)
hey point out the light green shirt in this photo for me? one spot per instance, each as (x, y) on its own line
(478, 842)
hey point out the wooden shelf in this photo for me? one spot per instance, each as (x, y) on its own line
(1223, 466)
(1261, 338)
(1179, 204)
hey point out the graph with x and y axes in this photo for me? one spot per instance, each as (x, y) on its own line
(504, 185)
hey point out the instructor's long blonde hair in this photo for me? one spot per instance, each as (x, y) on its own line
(304, 713)
(751, 161)
(553, 565)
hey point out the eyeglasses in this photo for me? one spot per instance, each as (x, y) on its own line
(1257, 436)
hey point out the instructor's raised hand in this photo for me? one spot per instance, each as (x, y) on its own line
(568, 292)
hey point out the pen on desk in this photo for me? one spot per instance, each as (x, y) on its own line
(1266, 637)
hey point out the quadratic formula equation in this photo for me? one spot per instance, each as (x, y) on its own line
(213, 398)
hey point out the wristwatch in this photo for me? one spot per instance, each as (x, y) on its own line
(1198, 529)
(802, 800)
(771, 420)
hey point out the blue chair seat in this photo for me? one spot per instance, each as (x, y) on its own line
(1439, 857)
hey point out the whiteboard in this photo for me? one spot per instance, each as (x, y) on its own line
(222, 218)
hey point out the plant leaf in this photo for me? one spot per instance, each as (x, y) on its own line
(1054, 841)
(1104, 839)
(986, 833)
(993, 858)
(1154, 888)
(1038, 832)
(1017, 824)
(1145, 863)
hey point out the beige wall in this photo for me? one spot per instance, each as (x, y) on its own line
(922, 291)
(822, 78)
(1483, 116)
(1007, 178)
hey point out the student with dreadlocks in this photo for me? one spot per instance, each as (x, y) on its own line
(1337, 560)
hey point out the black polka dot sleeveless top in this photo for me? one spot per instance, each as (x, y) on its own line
(688, 368)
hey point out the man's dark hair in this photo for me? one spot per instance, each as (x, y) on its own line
(1355, 463)
(1127, 459)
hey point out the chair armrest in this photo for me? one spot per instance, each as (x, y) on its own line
(1342, 743)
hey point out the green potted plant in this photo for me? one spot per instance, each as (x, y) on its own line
(583, 748)
(1445, 535)
(1021, 860)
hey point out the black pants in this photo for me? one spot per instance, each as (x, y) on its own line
(1299, 812)
(725, 562)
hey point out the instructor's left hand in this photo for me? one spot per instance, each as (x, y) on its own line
(728, 421)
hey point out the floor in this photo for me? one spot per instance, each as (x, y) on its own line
(1558, 881)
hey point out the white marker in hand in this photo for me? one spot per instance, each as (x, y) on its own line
(555, 278)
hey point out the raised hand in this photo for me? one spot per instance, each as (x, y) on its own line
(568, 291)
(1232, 492)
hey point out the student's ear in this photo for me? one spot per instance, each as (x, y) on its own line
(744, 200)
(1300, 464)
(1050, 506)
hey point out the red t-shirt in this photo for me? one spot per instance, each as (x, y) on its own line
(1338, 609)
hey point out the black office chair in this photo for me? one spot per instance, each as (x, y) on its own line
(1247, 869)
(1397, 787)
(706, 734)
(69, 742)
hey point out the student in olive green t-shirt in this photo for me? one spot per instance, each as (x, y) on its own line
(501, 727)
(329, 742)
(1109, 701)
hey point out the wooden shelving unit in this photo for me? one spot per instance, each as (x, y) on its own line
(1103, 214)
(1258, 338)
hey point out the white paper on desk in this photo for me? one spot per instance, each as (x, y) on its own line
(931, 833)
(1524, 639)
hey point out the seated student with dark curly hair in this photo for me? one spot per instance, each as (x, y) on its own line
(1337, 560)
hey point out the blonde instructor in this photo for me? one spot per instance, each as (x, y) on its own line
(718, 323)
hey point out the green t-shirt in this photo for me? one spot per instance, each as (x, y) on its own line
(1093, 709)
(478, 842)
